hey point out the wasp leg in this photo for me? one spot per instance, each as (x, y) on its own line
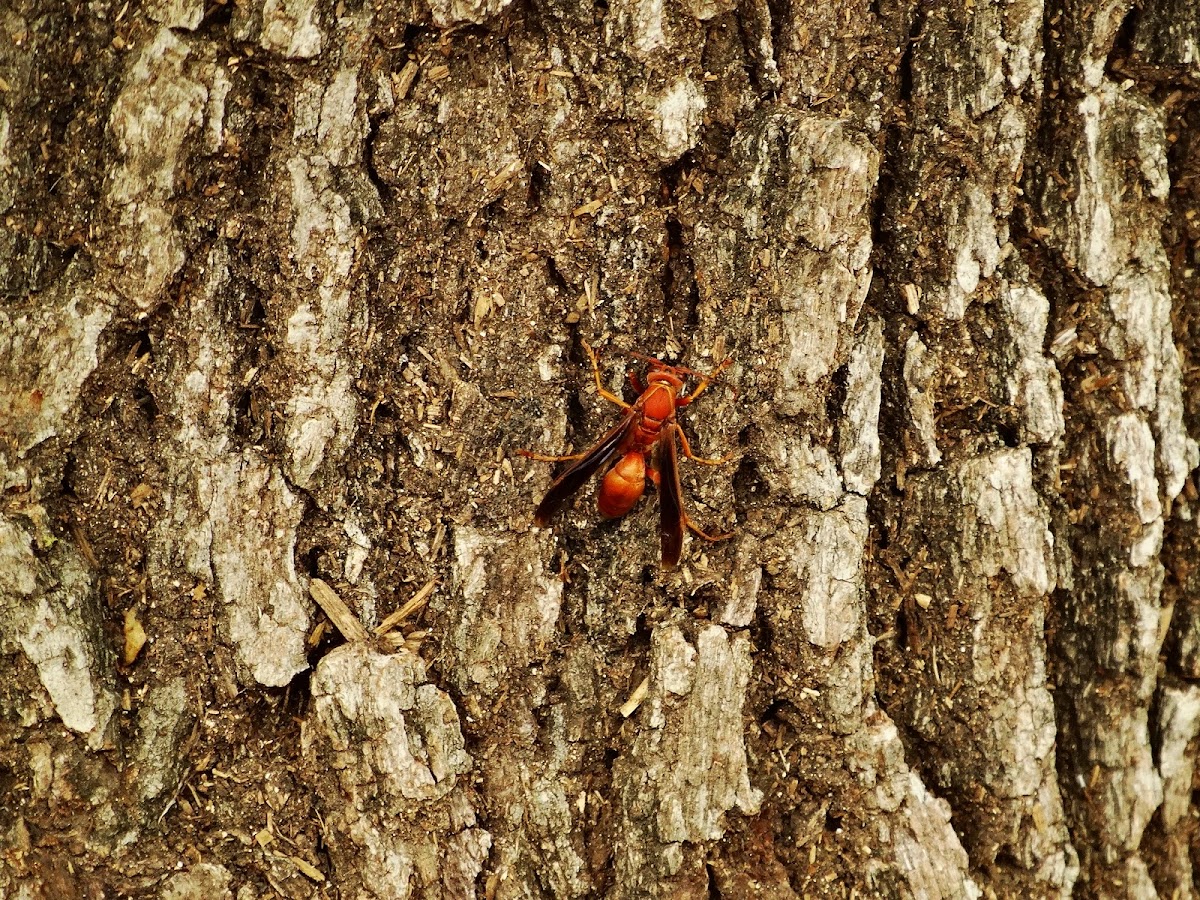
(604, 392)
(705, 381)
(687, 451)
(711, 538)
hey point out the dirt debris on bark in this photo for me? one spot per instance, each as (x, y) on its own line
(286, 285)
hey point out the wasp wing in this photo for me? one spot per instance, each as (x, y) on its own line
(570, 481)
(670, 498)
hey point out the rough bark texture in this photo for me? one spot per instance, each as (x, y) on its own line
(286, 283)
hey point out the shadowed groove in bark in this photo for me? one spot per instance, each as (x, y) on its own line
(291, 319)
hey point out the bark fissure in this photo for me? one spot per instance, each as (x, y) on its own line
(286, 284)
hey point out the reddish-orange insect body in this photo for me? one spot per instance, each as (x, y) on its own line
(623, 486)
(647, 429)
(625, 482)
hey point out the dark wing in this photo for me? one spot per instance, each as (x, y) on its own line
(570, 481)
(670, 498)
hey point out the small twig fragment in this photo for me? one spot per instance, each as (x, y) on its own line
(409, 609)
(629, 707)
(308, 869)
(339, 613)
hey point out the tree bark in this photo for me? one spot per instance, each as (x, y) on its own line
(288, 283)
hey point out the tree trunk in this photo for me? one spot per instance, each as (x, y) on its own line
(287, 285)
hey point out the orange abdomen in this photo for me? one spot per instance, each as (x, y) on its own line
(623, 485)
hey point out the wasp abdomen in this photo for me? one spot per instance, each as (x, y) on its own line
(623, 486)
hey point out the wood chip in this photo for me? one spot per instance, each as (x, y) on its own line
(635, 699)
(84, 545)
(409, 609)
(504, 176)
(588, 208)
(135, 637)
(483, 306)
(402, 82)
(339, 613)
(308, 870)
(102, 491)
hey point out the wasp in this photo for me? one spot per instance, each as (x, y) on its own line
(643, 444)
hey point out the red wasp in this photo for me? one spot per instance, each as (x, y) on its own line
(648, 425)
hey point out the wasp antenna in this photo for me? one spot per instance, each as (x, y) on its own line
(654, 361)
(707, 376)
